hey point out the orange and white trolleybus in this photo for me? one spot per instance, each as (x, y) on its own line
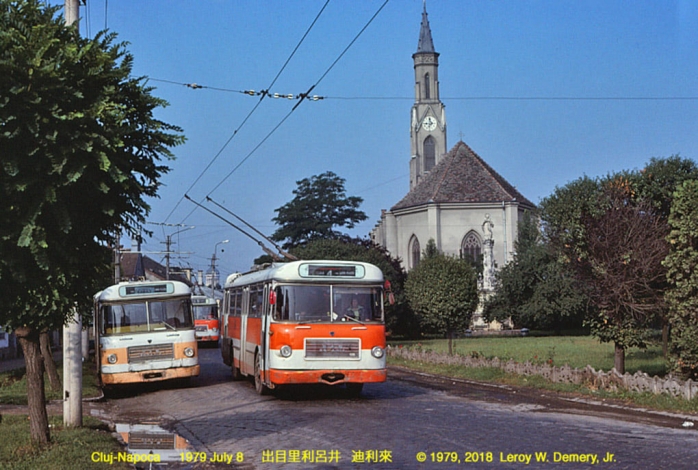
(144, 332)
(206, 319)
(306, 322)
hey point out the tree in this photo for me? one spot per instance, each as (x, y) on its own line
(682, 266)
(399, 318)
(660, 178)
(657, 183)
(80, 151)
(442, 290)
(320, 204)
(534, 289)
(614, 243)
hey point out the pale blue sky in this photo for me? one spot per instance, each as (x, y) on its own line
(499, 59)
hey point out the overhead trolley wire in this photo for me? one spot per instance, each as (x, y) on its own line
(248, 115)
(304, 96)
(445, 98)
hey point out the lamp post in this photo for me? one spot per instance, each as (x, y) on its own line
(214, 279)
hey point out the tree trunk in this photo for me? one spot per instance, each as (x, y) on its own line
(665, 338)
(49, 363)
(450, 342)
(36, 398)
(619, 359)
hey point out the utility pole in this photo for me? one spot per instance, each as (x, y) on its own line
(72, 332)
(168, 243)
(214, 276)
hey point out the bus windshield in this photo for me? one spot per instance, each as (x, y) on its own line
(328, 303)
(205, 311)
(145, 316)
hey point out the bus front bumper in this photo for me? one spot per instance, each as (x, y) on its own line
(329, 377)
(150, 375)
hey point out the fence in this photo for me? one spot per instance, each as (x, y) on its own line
(611, 381)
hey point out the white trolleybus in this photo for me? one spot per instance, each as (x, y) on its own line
(144, 332)
(306, 322)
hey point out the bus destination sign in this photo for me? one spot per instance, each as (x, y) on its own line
(147, 289)
(325, 270)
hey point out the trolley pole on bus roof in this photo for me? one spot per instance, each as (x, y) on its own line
(72, 331)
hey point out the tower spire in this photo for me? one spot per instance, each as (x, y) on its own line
(428, 123)
(426, 44)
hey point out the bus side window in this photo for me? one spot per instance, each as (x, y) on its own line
(107, 314)
(256, 301)
(279, 307)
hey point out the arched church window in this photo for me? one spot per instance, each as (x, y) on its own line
(427, 87)
(429, 153)
(415, 252)
(471, 248)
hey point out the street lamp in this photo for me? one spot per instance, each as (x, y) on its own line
(214, 278)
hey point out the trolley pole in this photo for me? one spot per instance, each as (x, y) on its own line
(72, 332)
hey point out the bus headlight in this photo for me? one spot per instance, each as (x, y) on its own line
(189, 352)
(111, 359)
(377, 352)
(214, 331)
(285, 351)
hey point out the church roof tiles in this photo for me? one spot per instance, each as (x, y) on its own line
(461, 176)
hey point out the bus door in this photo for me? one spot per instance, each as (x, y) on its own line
(244, 359)
(264, 335)
(253, 325)
(226, 347)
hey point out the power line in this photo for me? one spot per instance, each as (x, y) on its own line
(455, 98)
(264, 93)
(304, 96)
(248, 116)
(525, 98)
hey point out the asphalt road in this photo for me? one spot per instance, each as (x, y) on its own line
(410, 422)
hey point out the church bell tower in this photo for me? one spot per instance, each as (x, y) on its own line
(428, 121)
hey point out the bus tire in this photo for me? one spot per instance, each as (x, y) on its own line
(258, 384)
(235, 371)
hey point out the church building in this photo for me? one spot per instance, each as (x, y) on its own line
(455, 197)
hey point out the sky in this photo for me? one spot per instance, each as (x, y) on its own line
(545, 91)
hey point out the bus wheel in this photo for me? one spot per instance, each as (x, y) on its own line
(235, 370)
(258, 385)
(354, 389)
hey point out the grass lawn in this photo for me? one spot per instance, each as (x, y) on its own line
(13, 385)
(69, 448)
(575, 351)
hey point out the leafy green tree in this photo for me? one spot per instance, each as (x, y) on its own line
(399, 318)
(656, 183)
(80, 151)
(534, 289)
(430, 250)
(660, 178)
(320, 204)
(682, 265)
(614, 243)
(442, 290)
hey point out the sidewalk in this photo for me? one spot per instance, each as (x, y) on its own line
(18, 363)
(11, 364)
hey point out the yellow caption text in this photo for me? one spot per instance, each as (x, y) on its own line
(514, 458)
